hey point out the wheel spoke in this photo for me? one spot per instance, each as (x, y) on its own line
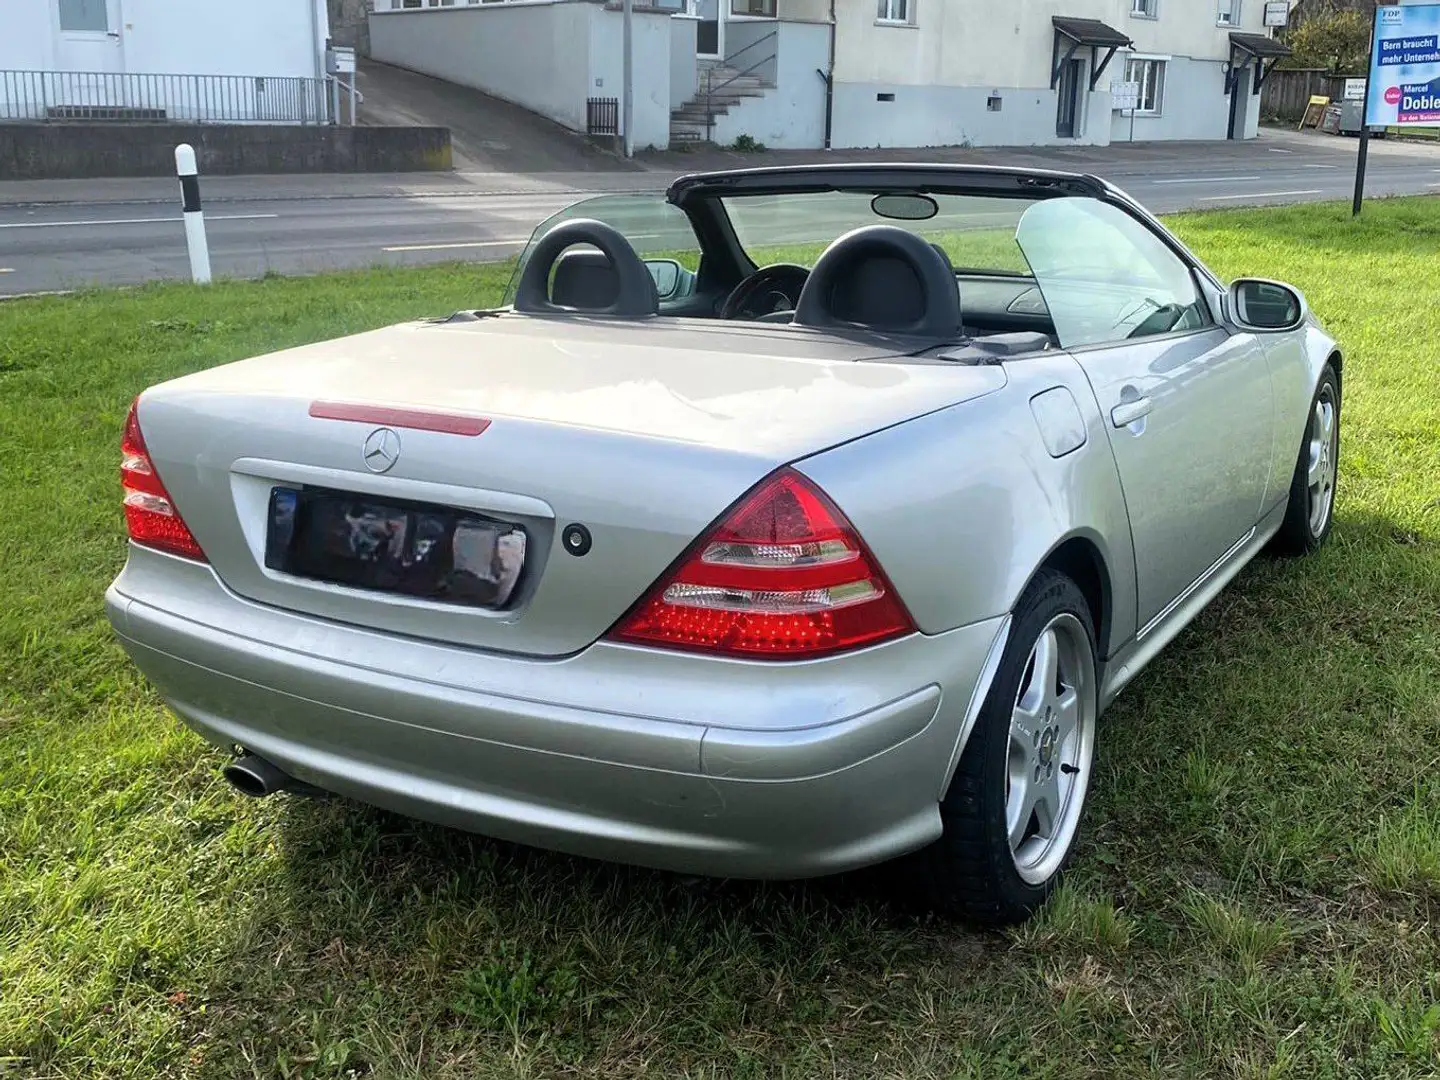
(1019, 811)
(1067, 714)
(1047, 665)
(1025, 726)
(1327, 421)
(1046, 804)
(1318, 469)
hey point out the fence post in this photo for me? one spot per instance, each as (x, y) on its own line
(189, 174)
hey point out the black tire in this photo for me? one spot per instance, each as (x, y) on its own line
(1299, 534)
(971, 872)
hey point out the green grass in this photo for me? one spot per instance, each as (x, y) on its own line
(1256, 894)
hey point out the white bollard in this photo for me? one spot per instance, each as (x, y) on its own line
(189, 174)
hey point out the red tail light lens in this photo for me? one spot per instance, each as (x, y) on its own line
(150, 516)
(783, 576)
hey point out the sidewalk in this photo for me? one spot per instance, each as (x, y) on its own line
(223, 189)
(654, 171)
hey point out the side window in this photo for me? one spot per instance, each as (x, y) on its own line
(84, 16)
(1106, 277)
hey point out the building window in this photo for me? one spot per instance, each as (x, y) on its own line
(1145, 9)
(84, 16)
(897, 11)
(760, 9)
(1228, 13)
(406, 4)
(1149, 76)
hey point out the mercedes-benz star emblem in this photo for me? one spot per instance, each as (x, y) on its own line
(382, 450)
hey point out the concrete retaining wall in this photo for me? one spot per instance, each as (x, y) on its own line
(548, 58)
(83, 151)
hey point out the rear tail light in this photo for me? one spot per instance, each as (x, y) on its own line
(782, 576)
(150, 515)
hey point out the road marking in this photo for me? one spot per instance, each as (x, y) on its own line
(11, 269)
(1273, 150)
(1311, 166)
(1261, 195)
(1209, 180)
(471, 244)
(127, 221)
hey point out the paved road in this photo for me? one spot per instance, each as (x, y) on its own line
(60, 236)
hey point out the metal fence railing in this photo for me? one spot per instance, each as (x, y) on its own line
(204, 99)
(602, 116)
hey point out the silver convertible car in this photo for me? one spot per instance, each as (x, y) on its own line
(796, 520)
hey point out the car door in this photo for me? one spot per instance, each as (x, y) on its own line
(1189, 404)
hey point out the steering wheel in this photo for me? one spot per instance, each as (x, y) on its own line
(779, 281)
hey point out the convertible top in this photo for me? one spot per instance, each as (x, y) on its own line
(899, 177)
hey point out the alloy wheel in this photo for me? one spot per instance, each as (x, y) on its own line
(1323, 444)
(1051, 749)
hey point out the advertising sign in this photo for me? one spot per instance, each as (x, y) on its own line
(1277, 13)
(1405, 67)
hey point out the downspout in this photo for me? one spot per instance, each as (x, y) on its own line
(830, 81)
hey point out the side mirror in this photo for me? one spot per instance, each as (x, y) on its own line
(1266, 306)
(669, 275)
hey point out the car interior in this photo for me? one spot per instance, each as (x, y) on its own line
(817, 252)
(875, 279)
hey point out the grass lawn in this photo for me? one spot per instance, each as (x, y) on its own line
(1256, 895)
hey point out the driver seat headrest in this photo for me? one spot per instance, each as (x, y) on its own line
(886, 279)
(585, 280)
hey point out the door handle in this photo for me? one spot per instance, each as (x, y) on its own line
(1126, 413)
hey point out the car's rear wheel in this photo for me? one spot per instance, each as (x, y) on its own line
(1012, 813)
(1311, 510)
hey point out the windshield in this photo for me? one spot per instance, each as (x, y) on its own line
(977, 233)
(1099, 274)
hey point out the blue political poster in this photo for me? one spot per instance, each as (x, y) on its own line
(1405, 67)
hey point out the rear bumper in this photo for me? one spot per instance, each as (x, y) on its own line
(674, 761)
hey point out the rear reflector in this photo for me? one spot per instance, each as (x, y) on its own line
(414, 419)
(783, 576)
(150, 516)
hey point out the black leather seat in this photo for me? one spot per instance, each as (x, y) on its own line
(585, 280)
(886, 279)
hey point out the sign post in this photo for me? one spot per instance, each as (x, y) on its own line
(1403, 88)
(1125, 98)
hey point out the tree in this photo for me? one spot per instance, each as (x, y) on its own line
(1337, 40)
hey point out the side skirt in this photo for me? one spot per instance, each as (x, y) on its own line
(1130, 660)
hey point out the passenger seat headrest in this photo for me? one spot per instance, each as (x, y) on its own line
(886, 279)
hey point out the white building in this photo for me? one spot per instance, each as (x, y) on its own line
(881, 73)
(945, 72)
(263, 60)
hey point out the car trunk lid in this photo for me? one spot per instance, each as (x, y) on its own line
(639, 434)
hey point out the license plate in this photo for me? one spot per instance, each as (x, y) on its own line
(409, 549)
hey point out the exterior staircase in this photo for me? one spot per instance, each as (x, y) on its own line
(721, 88)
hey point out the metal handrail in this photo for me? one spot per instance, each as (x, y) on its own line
(758, 41)
(710, 89)
(57, 96)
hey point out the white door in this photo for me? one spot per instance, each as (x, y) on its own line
(90, 36)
